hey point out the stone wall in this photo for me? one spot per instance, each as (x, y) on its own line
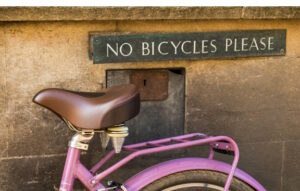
(254, 100)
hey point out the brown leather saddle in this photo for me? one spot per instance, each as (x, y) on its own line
(88, 110)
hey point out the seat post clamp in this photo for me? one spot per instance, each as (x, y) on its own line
(81, 140)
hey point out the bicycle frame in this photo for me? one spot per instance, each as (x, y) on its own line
(74, 169)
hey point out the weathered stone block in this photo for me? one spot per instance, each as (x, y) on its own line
(2, 74)
(4, 172)
(40, 55)
(145, 13)
(291, 166)
(263, 161)
(3, 98)
(232, 98)
(45, 133)
(41, 173)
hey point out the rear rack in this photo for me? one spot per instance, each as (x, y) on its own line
(219, 143)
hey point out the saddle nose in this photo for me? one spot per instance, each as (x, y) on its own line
(92, 110)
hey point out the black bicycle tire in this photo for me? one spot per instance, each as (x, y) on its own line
(205, 176)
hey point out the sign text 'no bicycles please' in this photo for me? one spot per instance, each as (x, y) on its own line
(187, 46)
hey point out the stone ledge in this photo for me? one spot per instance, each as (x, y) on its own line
(144, 13)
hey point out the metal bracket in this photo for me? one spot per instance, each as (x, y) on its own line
(81, 139)
(222, 147)
(113, 186)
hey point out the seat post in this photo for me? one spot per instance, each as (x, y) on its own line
(78, 142)
(68, 176)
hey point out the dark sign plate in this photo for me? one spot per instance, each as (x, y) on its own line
(187, 46)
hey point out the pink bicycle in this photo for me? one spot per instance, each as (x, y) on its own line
(104, 113)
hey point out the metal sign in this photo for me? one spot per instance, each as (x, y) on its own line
(187, 46)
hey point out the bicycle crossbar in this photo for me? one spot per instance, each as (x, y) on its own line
(139, 149)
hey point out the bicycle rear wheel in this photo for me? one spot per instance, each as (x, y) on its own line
(195, 180)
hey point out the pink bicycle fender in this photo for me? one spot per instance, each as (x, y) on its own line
(158, 171)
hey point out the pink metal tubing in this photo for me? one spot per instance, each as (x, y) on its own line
(102, 161)
(234, 163)
(166, 140)
(211, 153)
(205, 140)
(74, 169)
(85, 176)
(134, 147)
(68, 177)
(153, 173)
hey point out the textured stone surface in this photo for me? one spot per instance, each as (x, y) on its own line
(36, 56)
(263, 161)
(3, 105)
(40, 56)
(270, 13)
(144, 13)
(290, 176)
(4, 172)
(255, 100)
(53, 133)
(244, 97)
(2, 71)
(34, 173)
